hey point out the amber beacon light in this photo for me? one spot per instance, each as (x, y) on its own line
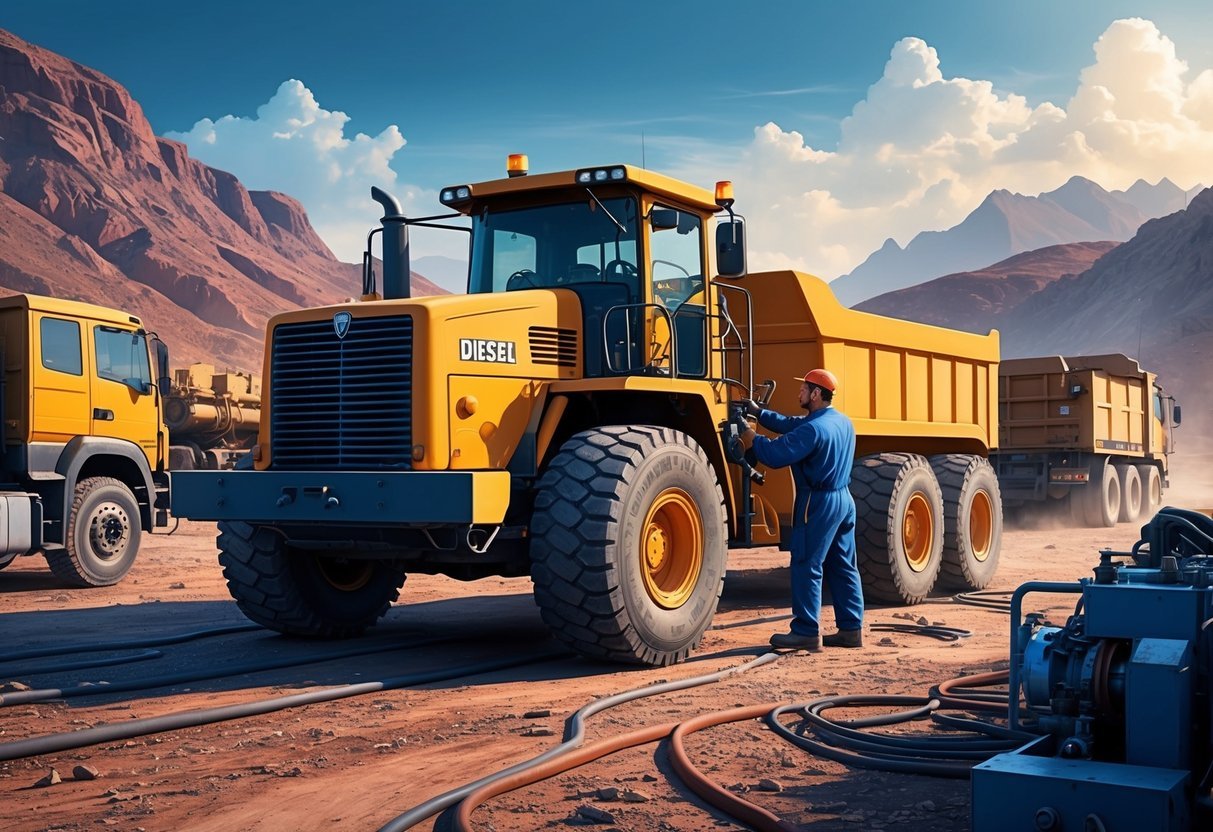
(724, 193)
(516, 164)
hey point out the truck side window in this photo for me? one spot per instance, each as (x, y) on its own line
(677, 260)
(61, 346)
(122, 356)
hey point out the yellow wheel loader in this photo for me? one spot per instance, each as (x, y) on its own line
(570, 418)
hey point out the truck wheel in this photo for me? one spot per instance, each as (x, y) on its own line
(1098, 502)
(628, 544)
(898, 526)
(300, 593)
(972, 520)
(1130, 493)
(102, 534)
(1151, 489)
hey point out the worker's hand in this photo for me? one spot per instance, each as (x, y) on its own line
(752, 407)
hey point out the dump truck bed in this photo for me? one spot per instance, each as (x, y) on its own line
(906, 386)
(1096, 404)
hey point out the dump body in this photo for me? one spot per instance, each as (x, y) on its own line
(907, 387)
(1064, 419)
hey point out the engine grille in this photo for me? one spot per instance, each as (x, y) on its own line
(550, 345)
(342, 403)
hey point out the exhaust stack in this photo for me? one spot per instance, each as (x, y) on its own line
(396, 267)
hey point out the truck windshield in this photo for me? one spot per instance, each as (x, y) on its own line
(555, 245)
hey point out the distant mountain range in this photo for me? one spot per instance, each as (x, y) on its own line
(1006, 224)
(95, 207)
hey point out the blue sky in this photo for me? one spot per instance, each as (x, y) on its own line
(755, 92)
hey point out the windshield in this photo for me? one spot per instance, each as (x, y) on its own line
(555, 245)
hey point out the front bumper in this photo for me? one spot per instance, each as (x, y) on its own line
(396, 498)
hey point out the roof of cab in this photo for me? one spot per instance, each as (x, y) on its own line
(71, 308)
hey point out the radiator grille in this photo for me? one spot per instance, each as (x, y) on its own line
(553, 346)
(342, 403)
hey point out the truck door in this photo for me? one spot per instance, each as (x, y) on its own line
(676, 263)
(60, 385)
(123, 404)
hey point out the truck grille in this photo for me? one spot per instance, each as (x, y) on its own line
(342, 403)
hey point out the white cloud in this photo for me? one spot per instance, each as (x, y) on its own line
(295, 146)
(922, 150)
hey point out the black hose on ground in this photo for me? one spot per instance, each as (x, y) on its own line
(574, 735)
(935, 631)
(84, 664)
(98, 647)
(51, 743)
(26, 697)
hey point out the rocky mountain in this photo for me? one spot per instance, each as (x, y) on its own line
(94, 206)
(1006, 224)
(977, 301)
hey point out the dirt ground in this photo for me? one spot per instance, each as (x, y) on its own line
(356, 763)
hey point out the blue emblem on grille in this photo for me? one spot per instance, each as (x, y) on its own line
(341, 323)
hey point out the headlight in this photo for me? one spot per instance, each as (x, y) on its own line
(594, 176)
(456, 194)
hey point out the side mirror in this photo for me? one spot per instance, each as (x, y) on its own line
(1176, 415)
(730, 248)
(663, 219)
(163, 380)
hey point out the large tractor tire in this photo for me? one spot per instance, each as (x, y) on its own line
(1130, 493)
(300, 592)
(102, 535)
(1151, 489)
(898, 526)
(972, 520)
(1098, 502)
(628, 544)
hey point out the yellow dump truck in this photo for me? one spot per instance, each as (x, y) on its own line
(572, 418)
(85, 448)
(1095, 430)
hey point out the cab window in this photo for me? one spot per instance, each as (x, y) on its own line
(122, 356)
(677, 256)
(61, 346)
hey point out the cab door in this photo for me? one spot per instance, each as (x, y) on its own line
(61, 396)
(124, 406)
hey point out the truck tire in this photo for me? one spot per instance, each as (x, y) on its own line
(898, 526)
(102, 534)
(1151, 489)
(1098, 502)
(1130, 493)
(628, 544)
(300, 593)
(972, 520)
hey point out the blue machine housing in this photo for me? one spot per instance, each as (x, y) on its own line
(1120, 695)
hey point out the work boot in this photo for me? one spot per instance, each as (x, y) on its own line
(795, 641)
(844, 638)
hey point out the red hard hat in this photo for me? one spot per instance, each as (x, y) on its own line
(822, 378)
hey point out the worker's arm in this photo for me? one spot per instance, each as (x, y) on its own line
(784, 450)
(778, 423)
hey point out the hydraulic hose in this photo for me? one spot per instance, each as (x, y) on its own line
(948, 695)
(573, 737)
(748, 813)
(51, 743)
(84, 664)
(147, 682)
(95, 647)
(935, 631)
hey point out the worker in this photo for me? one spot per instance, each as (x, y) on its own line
(820, 448)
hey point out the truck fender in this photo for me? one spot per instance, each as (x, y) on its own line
(80, 449)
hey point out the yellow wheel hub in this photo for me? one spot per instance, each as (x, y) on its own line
(981, 525)
(917, 532)
(671, 548)
(346, 575)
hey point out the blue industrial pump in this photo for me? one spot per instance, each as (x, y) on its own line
(1120, 696)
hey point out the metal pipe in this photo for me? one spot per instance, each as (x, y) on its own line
(396, 267)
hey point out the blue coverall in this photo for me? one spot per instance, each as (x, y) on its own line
(820, 448)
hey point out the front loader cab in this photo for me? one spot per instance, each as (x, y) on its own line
(629, 243)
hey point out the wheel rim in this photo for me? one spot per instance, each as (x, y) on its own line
(346, 575)
(109, 531)
(981, 525)
(917, 532)
(671, 548)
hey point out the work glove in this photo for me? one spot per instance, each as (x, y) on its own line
(739, 420)
(753, 408)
